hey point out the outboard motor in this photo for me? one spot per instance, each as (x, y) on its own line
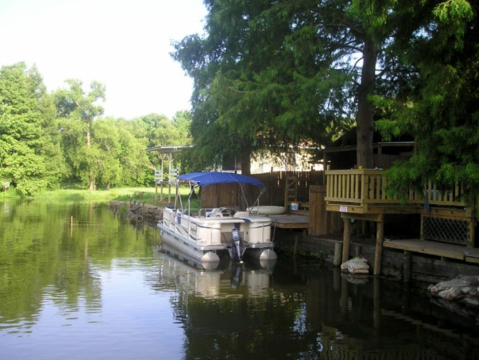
(236, 244)
(237, 276)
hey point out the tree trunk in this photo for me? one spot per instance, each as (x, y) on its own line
(365, 115)
(246, 160)
(91, 178)
(88, 142)
(91, 181)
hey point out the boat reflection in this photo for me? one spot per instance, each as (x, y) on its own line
(223, 279)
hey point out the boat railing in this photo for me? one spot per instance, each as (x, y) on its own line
(216, 212)
(204, 212)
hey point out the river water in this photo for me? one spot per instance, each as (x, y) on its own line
(76, 282)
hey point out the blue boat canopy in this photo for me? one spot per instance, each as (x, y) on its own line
(212, 178)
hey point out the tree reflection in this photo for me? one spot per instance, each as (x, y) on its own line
(46, 257)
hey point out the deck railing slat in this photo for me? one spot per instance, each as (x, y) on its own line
(369, 186)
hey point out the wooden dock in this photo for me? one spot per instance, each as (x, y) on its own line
(290, 221)
(444, 250)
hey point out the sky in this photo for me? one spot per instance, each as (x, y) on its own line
(123, 44)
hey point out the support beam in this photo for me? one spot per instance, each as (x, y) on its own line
(379, 247)
(471, 241)
(337, 254)
(346, 240)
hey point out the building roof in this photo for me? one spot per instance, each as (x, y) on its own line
(169, 149)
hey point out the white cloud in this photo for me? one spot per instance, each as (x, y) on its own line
(122, 44)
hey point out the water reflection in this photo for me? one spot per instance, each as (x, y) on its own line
(100, 290)
(226, 279)
(306, 313)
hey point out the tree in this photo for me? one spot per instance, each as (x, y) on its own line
(228, 114)
(270, 74)
(438, 40)
(77, 111)
(158, 130)
(182, 121)
(104, 152)
(134, 162)
(29, 149)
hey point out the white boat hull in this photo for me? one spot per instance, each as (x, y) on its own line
(206, 238)
(195, 254)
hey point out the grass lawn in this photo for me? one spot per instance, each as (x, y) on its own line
(143, 195)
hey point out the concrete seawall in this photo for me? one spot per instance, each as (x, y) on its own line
(423, 268)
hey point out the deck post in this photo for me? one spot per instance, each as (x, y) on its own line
(470, 242)
(346, 239)
(318, 216)
(295, 248)
(379, 246)
(337, 254)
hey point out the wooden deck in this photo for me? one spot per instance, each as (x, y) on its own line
(448, 251)
(364, 191)
(290, 221)
(363, 195)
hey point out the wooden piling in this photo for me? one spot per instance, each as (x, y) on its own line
(337, 254)
(346, 239)
(318, 216)
(379, 247)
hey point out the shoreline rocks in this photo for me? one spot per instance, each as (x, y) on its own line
(464, 289)
(357, 265)
(137, 212)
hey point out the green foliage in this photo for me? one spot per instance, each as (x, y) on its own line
(50, 139)
(278, 74)
(77, 111)
(28, 142)
(270, 75)
(123, 211)
(441, 107)
(158, 130)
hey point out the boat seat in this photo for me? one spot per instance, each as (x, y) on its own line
(216, 212)
(221, 212)
(241, 214)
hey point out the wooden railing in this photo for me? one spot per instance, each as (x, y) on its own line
(360, 187)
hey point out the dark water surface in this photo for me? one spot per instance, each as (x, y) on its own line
(100, 290)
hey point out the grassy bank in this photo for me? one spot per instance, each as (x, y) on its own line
(143, 195)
